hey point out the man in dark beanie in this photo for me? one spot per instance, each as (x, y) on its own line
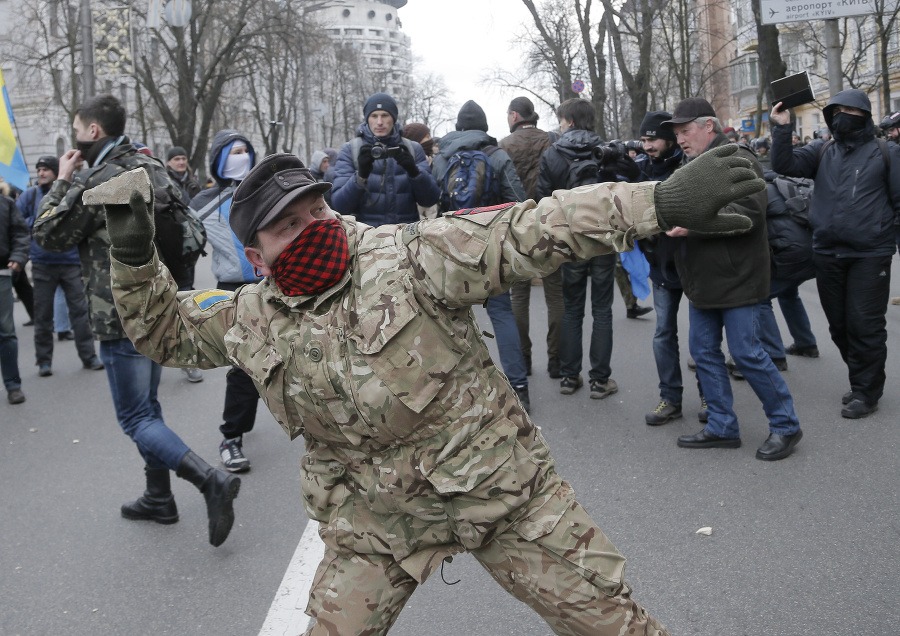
(362, 341)
(525, 145)
(380, 177)
(178, 168)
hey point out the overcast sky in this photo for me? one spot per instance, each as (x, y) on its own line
(463, 41)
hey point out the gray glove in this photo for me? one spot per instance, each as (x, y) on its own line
(130, 230)
(695, 194)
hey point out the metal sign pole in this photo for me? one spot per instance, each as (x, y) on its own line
(833, 56)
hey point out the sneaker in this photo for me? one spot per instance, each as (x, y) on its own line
(691, 364)
(637, 311)
(703, 413)
(663, 413)
(15, 396)
(553, 369)
(732, 369)
(30, 323)
(780, 363)
(65, 335)
(522, 392)
(806, 352)
(600, 390)
(44, 370)
(569, 385)
(93, 364)
(857, 408)
(193, 374)
(232, 453)
(895, 300)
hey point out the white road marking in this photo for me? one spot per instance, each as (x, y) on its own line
(286, 616)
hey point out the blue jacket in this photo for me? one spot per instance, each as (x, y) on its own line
(389, 195)
(28, 204)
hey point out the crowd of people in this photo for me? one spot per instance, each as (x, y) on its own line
(342, 300)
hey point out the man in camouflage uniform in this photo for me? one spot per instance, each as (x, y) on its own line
(416, 446)
(65, 221)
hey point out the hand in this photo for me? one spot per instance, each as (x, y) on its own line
(68, 163)
(677, 232)
(695, 194)
(779, 115)
(407, 161)
(130, 230)
(15, 266)
(365, 160)
(626, 167)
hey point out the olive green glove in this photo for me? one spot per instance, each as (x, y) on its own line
(693, 197)
(130, 230)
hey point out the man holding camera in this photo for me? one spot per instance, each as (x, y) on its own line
(379, 176)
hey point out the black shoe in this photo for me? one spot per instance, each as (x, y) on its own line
(806, 352)
(65, 335)
(637, 311)
(219, 489)
(527, 365)
(522, 392)
(571, 384)
(845, 399)
(857, 408)
(44, 370)
(30, 323)
(732, 369)
(708, 440)
(157, 503)
(703, 413)
(663, 414)
(93, 364)
(553, 369)
(691, 364)
(15, 396)
(778, 446)
(780, 363)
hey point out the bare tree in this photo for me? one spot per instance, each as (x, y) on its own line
(430, 103)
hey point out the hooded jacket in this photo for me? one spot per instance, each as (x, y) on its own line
(229, 265)
(853, 205)
(389, 194)
(511, 189)
(721, 272)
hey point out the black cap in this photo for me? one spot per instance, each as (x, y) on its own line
(652, 125)
(381, 101)
(690, 109)
(471, 117)
(48, 161)
(891, 121)
(175, 151)
(267, 190)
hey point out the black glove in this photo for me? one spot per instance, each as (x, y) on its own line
(130, 230)
(626, 167)
(365, 161)
(407, 161)
(695, 193)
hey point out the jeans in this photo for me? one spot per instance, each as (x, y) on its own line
(61, 311)
(751, 359)
(854, 294)
(9, 344)
(601, 272)
(499, 310)
(665, 343)
(133, 382)
(520, 293)
(795, 316)
(48, 281)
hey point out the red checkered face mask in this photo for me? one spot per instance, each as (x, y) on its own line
(314, 261)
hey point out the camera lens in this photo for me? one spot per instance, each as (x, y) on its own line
(378, 151)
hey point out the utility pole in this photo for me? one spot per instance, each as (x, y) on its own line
(833, 55)
(87, 50)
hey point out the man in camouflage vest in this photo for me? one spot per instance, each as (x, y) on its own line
(362, 341)
(65, 221)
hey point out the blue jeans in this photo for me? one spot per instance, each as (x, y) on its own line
(601, 272)
(499, 310)
(750, 358)
(795, 317)
(665, 343)
(9, 344)
(133, 381)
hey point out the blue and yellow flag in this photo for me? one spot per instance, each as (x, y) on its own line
(12, 164)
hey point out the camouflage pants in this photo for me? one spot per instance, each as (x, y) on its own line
(571, 576)
(623, 281)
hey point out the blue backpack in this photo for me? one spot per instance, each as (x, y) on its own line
(469, 181)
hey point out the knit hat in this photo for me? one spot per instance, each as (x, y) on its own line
(332, 155)
(49, 162)
(652, 126)
(175, 151)
(381, 101)
(525, 108)
(416, 131)
(471, 117)
(317, 157)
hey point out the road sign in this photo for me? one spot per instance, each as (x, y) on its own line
(577, 86)
(777, 11)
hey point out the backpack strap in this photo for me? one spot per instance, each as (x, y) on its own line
(214, 204)
(822, 149)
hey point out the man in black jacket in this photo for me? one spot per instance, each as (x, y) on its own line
(854, 206)
(726, 275)
(13, 256)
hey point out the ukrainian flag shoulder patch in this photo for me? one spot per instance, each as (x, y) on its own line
(207, 299)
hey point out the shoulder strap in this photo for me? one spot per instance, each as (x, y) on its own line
(355, 145)
(885, 154)
(490, 149)
(822, 149)
(214, 204)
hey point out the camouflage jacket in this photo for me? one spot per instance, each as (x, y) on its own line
(416, 444)
(63, 222)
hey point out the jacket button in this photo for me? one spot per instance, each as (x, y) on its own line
(315, 354)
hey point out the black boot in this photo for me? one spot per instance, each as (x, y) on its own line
(219, 489)
(157, 504)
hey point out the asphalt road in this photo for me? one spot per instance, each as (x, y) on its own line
(808, 545)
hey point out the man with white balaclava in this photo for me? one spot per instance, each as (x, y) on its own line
(231, 157)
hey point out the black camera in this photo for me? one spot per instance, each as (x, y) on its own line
(610, 153)
(380, 151)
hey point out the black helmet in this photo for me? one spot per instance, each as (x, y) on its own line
(891, 121)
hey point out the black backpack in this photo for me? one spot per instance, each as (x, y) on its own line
(584, 169)
(470, 181)
(790, 234)
(180, 236)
